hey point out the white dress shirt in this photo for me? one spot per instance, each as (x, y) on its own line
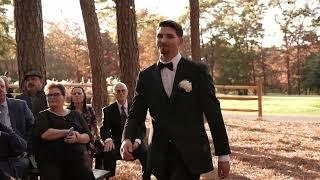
(125, 107)
(167, 75)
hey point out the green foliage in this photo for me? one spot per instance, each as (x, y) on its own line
(312, 72)
(231, 37)
(7, 43)
(232, 67)
(106, 13)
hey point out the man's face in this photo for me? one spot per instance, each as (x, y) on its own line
(3, 91)
(33, 83)
(168, 42)
(121, 93)
(77, 95)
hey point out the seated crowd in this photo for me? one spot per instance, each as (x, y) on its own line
(63, 140)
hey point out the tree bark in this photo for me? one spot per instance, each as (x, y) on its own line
(29, 38)
(195, 33)
(128, 44)
(99, 88)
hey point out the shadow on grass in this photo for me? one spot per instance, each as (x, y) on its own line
(294, 167)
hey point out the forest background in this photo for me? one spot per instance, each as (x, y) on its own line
(232, 36)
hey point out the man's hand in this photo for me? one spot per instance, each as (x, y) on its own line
(223, 169)
(108, 146)
(135, 145)
(126, 150)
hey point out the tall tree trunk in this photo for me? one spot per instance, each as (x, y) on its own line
(289, 88)
(29, 37)
(99, 87)
(128, 44)
(299, 74)
(287, 60)
(195, 33)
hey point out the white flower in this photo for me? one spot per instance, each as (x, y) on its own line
(186, 85)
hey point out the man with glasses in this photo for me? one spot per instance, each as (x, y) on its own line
(16, 122)
(114, 117)
(33, 92)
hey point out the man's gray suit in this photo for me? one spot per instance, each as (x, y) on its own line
(13, 141)
(21, 118)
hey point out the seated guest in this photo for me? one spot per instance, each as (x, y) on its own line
(33, 93)
(16, 121)
(6, 81)
(13, 161)
(114, 117)
(60, 136)
(78, 103)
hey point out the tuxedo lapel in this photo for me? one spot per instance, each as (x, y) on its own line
(177, 78)
(116, 111)
(158, 83)
(12, 114)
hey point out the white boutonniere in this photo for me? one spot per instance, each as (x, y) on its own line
(186, 85)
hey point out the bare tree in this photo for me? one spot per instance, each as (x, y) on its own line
(128, 45)
(29, 37)
(96, 55)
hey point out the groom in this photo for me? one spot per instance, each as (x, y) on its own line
(177, 93)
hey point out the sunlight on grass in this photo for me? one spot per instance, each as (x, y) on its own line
(305, 105)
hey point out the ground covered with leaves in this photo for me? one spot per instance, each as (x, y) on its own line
(261, 150)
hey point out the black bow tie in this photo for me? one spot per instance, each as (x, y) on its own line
(167, 65)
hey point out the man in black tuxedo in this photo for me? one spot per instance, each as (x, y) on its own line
(178, 93)
(114, 117)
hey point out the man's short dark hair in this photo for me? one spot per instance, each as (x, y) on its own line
(174, 25)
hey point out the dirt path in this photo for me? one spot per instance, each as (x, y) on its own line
(280, 117)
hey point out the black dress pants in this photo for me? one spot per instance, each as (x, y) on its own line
(175, 168)
(65, 170)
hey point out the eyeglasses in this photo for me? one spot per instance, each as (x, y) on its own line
(53, 95)
(121, 90)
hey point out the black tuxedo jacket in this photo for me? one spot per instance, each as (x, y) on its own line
(179, 118)
(112, 127)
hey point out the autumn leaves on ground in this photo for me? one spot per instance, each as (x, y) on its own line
(262, 150)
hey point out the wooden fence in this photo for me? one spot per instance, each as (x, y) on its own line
(257, 88)
(258, 98)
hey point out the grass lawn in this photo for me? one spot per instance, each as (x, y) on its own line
(303, 105)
